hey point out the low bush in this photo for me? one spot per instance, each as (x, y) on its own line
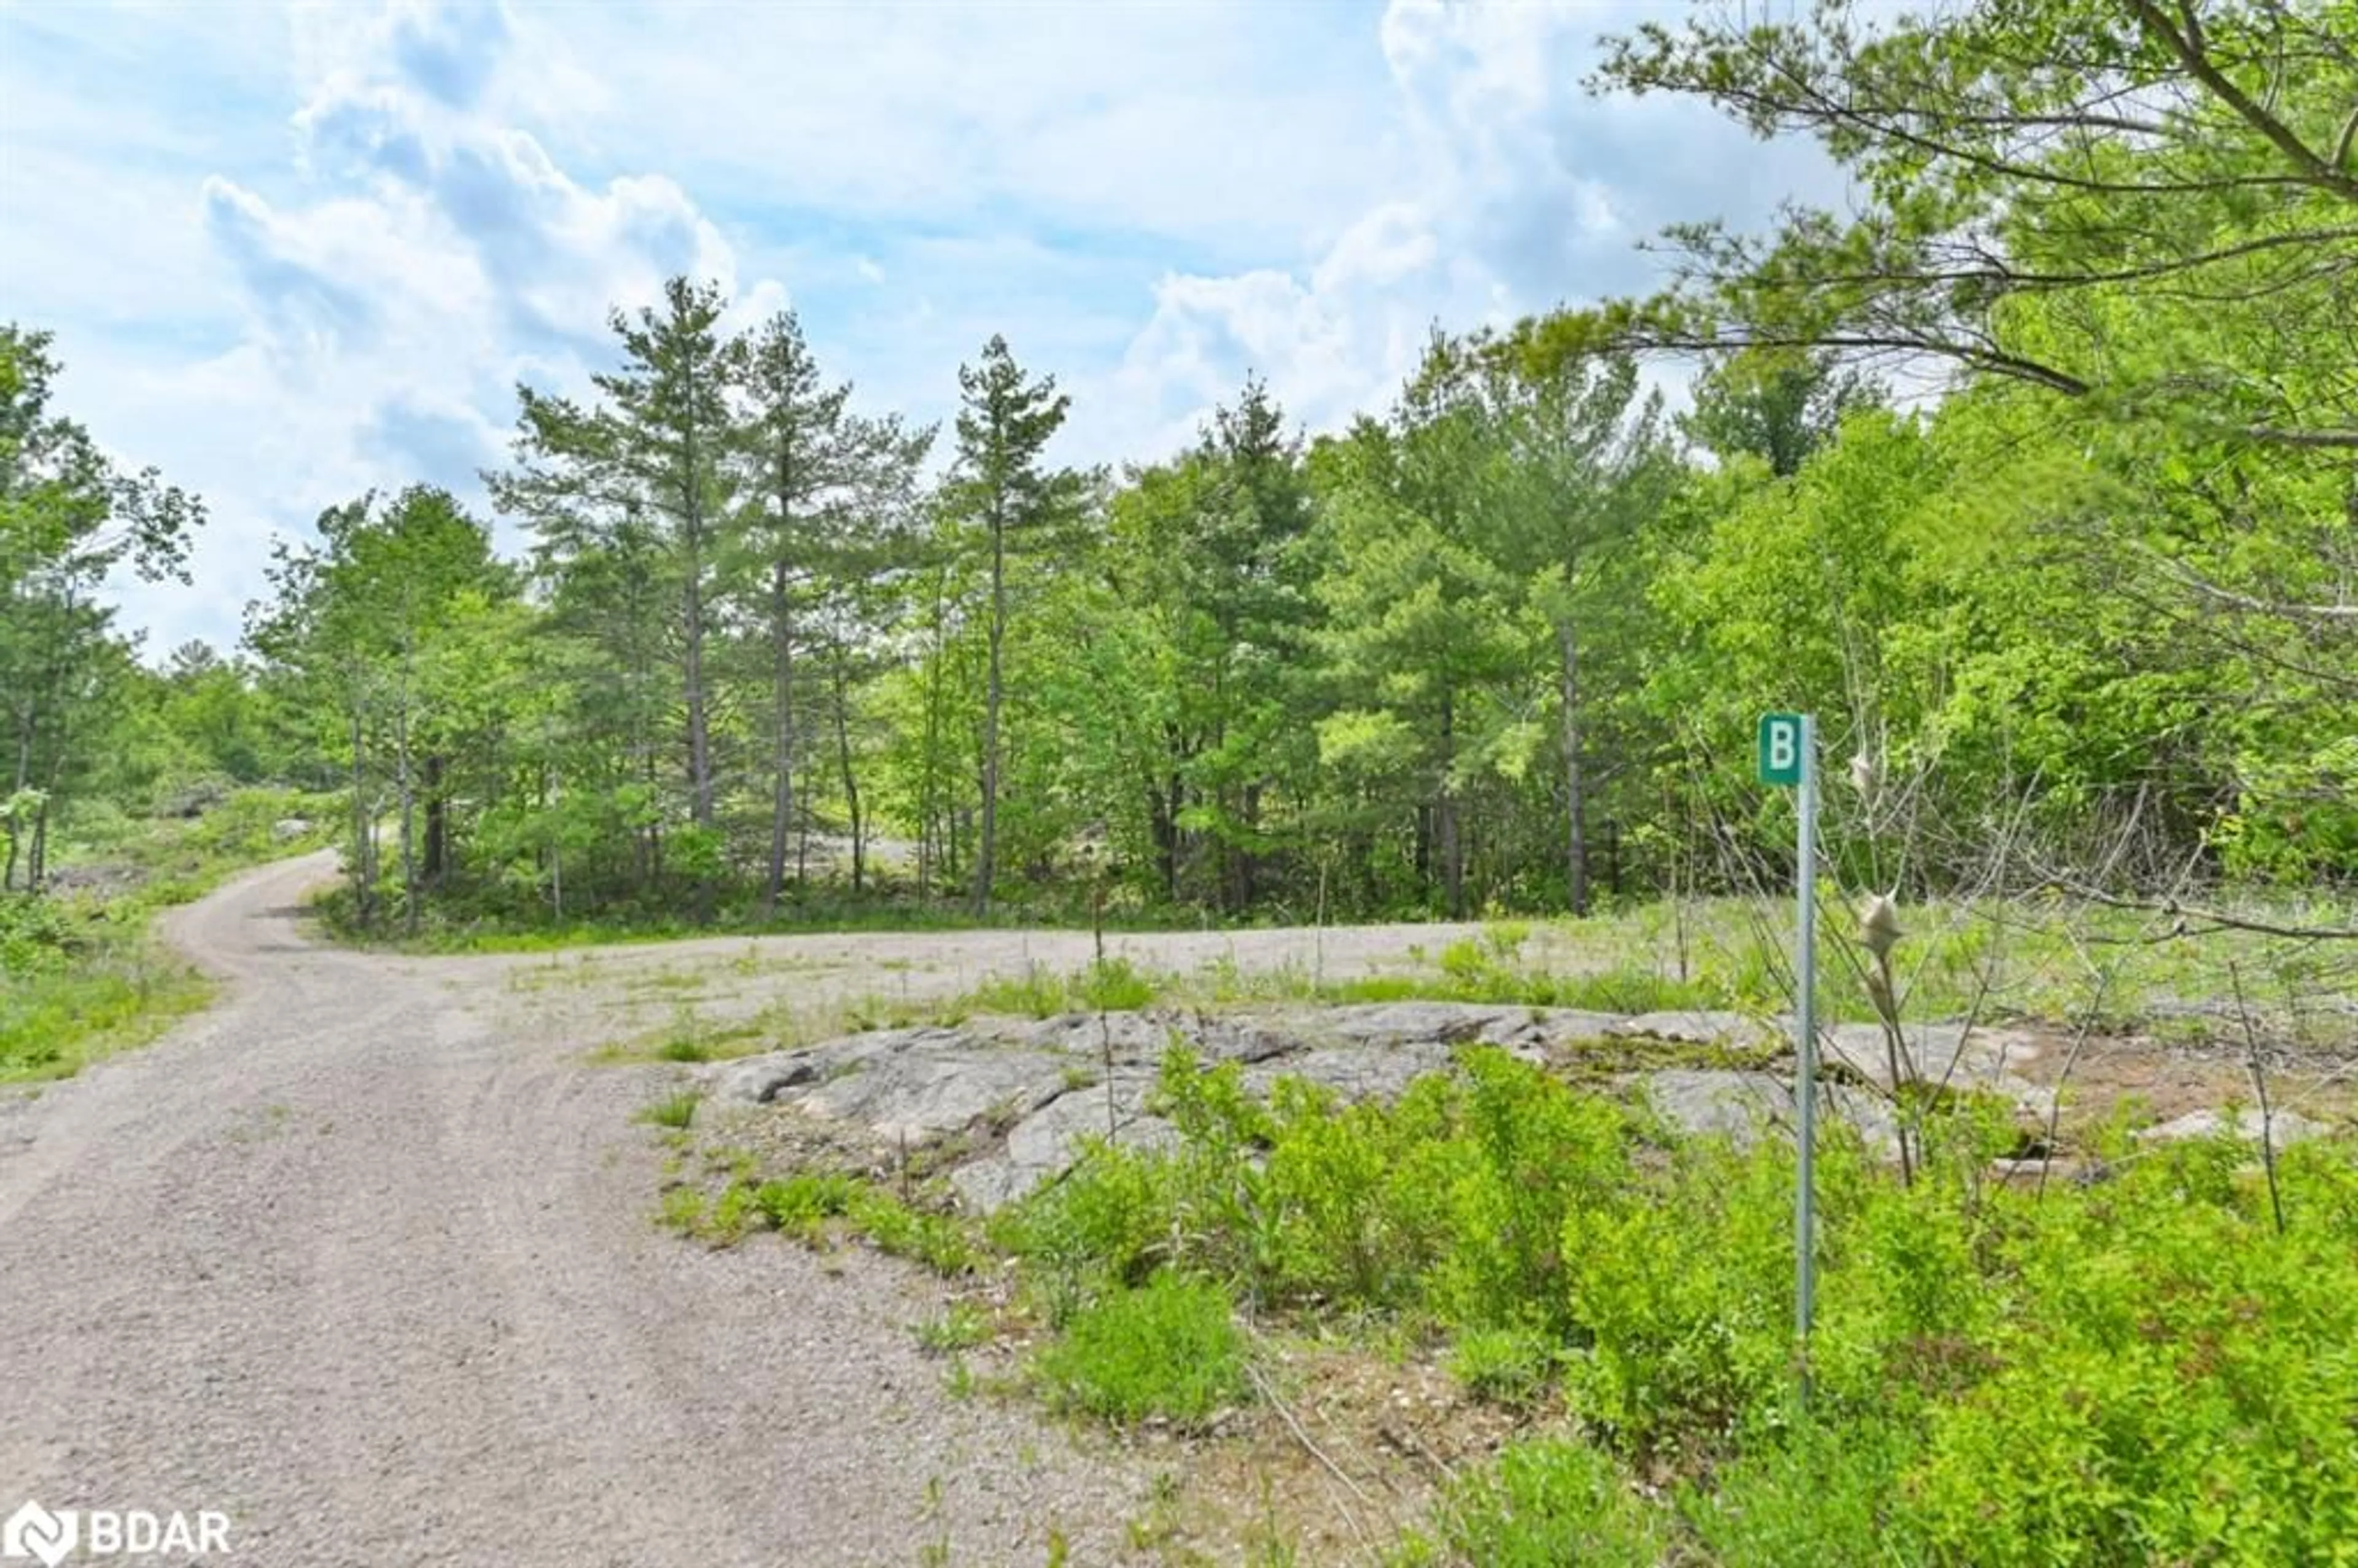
(2142, 1369)
(1170, 1348)
(1546, 1504)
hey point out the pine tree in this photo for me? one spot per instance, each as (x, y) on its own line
(1013, 505)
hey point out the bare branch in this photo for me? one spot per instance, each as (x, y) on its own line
(2214, 919)
(2209, 589)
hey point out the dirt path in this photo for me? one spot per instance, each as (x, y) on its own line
(362, 1259)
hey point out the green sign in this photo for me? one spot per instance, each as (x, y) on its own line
(1780, 749)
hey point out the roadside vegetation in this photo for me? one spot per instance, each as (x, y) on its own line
(81, 974)
(2150, 1362)
(2057, 962)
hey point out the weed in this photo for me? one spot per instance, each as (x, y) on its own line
(1170, 1348)
(1114, 985)
(801, 1204)
(685, 1048)
(731, 1214)
(961, 1326)
(1510, 1367)
(683, 1210)
(676, 1110)
(1038, 992)
(2155, 1336)
(939, 1241)
(1549, 1503)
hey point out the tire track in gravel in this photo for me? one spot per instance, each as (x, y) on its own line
(357, 1261)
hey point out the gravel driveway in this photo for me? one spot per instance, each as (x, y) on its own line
(362, 1259)
(361, 1262)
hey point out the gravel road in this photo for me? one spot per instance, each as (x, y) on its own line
(362, 1258)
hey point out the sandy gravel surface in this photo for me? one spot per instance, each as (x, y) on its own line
(363, 1264)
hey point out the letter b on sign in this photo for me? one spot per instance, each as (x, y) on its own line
(1780, 749)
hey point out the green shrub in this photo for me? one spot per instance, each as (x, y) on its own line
(1037, 992)
(803, 1203)
(38, 934)
(1364, 1193)
(2174, 1381)
(942, 1243)
(2141, 1369)
(1548, 1504)
(1512, 1367)
(1170, 1348)
(1533, 1152)
(1817, 1494)
(1113, 985)
(1681, 1285)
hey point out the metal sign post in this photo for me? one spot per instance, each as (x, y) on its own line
(1789, 756)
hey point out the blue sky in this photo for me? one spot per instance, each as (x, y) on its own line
(291, 252)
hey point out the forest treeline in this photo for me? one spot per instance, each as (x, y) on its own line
(2035, 476)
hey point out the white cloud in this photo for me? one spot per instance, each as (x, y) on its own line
(357, 227)
(426, 255)
(1519, 194)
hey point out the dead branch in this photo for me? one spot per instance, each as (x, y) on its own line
(2190, 915)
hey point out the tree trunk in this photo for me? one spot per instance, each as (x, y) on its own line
(1575, 802)
(1453, 849)
(931, 831)
(850, 778)
(16, 827)
(1163, 804)
(36, 874)
(363, 881)
(782, 647)
(699, 734)
(1248, 862)
(437, 822)
(986, 859)
(408, 797)
(699, 723)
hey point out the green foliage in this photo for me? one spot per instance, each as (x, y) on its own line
(2134, 1370)
(1037, 992)
(961, 1326)
(1510, 1367)
(803, 1203)
(1170, 1347)
(1814, 1492)
(1549, 1503)
(68, 520)
(676, 1110)
(942, 1243)
(1115, 985)
(81, 976)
